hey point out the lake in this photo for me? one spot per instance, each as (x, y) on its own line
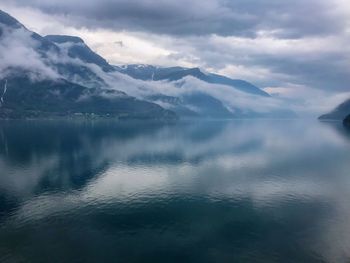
(208, 191)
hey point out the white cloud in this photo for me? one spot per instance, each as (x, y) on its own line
(317, 62)
(17, 50)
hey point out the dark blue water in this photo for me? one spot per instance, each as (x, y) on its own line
(236, 191)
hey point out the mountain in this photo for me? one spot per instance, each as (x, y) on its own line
(9, 24)
(47, 80)
(339, 113)
(62, 63)
(199, 103)
(9, 21)
(148, 72)
(77, 48)
(24, 98)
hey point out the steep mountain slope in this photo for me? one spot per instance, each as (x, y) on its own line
(24, 98)
(71, 58)
(339, 113)
(69, 61)
(9, 24)
(147, 72)
(37, 80)
(76, 48)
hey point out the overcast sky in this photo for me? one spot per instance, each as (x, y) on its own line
(284, 46)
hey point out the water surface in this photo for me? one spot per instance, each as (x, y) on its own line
(211, 191)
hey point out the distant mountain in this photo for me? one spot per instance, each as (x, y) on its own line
(199, 104)
(76, 50)
(9, 24)
(61, 66)
(194, 105)
(339, 113)
(148, 72)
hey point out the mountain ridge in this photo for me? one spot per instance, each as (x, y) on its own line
(29, 92)
(150, 72)
(187, 92)
(80, 50)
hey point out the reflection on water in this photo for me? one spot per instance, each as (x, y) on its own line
(238, 191)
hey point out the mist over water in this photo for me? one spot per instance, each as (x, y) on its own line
(206, 191)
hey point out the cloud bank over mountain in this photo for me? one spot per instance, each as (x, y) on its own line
(286, 47)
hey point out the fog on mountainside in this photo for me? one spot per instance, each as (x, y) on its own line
(67, 60)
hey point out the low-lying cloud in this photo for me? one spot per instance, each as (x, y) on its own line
(17, 50)
(276, 45)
